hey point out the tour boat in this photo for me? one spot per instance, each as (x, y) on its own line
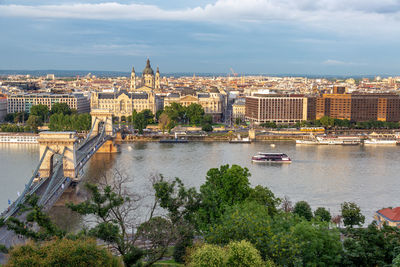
(328, 140)
(240, 140)
(174, 140)
(262, 157)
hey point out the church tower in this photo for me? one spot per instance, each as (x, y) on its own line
(158, 86)
(133, 80)
(148, 75)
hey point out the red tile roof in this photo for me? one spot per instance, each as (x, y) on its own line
(391, 214)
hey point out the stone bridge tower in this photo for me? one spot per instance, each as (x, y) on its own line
(102, 117)
(56, 143)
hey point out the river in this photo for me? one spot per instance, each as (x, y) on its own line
(321, 175)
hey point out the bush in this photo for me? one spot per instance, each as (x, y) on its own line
(207, 127)
(303, 209)
(243, 254)
(207, 256)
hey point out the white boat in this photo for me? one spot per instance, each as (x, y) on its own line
(334, 140)
(374, 141)
(240, 140)
(263, 157)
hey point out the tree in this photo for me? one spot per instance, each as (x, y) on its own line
(114, 209)
(148, 115)
(323, 214)
(243, 254)
(34, 122)
(207, 256)
(140, 122)
(327, 121)
(163, 121)
(175, 112)
(224, 187)
(207, 119)
(207, 128)
(286, 204)
(62, 108)
(351, 214)
(62, 252)
(319, 245)
(195, 113)
(182, 205)
(158, 113)
(303, 209)
(264, 196)
(41, 111)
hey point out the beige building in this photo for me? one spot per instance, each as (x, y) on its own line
(3, 107)
(140, 96)
(123, 103)
(212, 102)
(388, 216)
(24, 102)
(239, 109)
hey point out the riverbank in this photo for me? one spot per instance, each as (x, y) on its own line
(207, 138)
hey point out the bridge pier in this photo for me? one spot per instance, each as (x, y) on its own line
(109, 147)
(58, 143)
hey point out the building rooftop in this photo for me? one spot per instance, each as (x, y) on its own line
(391, 214)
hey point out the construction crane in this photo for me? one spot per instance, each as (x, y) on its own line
(234, 73)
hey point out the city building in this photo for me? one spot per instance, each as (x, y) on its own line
(213, 102)
(123, 103)
(261, 108)
(359, 107)
(239, 109)
(3, 107)
(389, 216)
(24, 102)
(141, 95)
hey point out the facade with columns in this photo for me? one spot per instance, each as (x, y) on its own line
(140, 96)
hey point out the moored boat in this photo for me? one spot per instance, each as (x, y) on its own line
(374, 141)
(263, 157)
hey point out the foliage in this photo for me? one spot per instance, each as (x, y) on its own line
(158, 113)
(224, 187)
(41, 111)
(140, 122)
(163, 121)
(323, 214)
(303, 209)
(207, 256)
(319, 245)
(37, 225)
(195, 113)
(270, 235)
(207, 127)
(327, 121)
(351, 214)
(61, 108)
(34, 122)
(243, 254)
(12, 128)
(19, 117)
(176, 112)
(268, 125)
(62, 252)
(264, 196)
(371, 246)
(74, 122)
(112, 206)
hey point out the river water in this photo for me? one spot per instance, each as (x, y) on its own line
(321, 175)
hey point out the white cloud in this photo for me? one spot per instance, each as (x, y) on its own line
(355, 17)
(335, 62)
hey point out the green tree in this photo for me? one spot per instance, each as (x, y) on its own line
(303, 209)
(175, 112)
(207, 128)
(224, 187)
(140, 122)
(323, 214)
(207, 256)
(62, 108)
(148, 115)
(62, 252)
(41, 111)
(327, 121)
(351, 214)
(195, 113)
(113, 207)
(207, 119)
(319, 245)
(34, 122)
(264, 196)
(243, 254)
(158, 113)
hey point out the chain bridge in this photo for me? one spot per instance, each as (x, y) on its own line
(62, 158)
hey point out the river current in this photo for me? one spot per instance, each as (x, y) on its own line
(324, 176)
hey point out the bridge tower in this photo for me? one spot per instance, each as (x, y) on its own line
(57, 143)
(102, 116)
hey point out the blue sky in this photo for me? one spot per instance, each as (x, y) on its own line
(340, 37)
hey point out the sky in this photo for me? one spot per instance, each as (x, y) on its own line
(315, 37)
